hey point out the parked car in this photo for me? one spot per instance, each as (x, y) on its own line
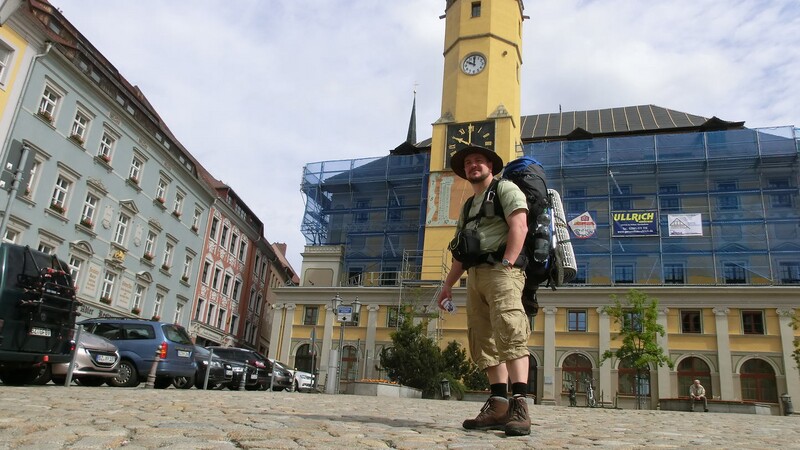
(219, 374)
(96, 361)
(282, 376)
(302, 381)
(138, 340)
(247, 365)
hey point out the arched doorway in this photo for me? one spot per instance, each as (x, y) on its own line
(758, 381)
(533, 377)
(691, 369)
(303, 360)
(577, 370)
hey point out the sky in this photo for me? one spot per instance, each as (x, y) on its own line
(257, 89)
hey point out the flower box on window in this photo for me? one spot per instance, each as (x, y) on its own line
(105, 300)
(77, 138)
(161, 200)
(176, 214)
(45, 115)
(27, 191)
(156, 318)
(165, 267)
(194, 228)
(185, 279)
(136, 311)
(87, 222)
(133, 180)
(57, 208)
(104, 157)
(148, 256)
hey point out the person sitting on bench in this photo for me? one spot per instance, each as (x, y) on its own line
(697, 392)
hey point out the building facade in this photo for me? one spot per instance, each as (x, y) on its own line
(699, 213)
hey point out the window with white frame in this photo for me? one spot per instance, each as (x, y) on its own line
(45, 248)
(80, 127)
(258, 303)
(178, 207)
(234, 324)
(166, 263)
(213, 232)
(178, 313)
(58, 201)
(11, 236)
(206, 271)
(109, 279)
(135, 173)
(150, 244)
(237, 289)
(89, 209)
(221, 319)
(210, 314)
(158, 304)
(187, 266)
(49, 103)
(223, 239)
(161, 190)
(217, 275)
(226, 283)
(242, 250)
(121, 229)
(234, 241)
(5, 58)
(138, 296)
(198, 313)
(196, 219)
(106, 148)
(75, 265)
(33, 177)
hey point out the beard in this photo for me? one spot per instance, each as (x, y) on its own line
(479, 179)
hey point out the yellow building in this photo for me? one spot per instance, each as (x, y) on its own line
(720, 253)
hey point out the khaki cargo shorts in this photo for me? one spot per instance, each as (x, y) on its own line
(496, 321)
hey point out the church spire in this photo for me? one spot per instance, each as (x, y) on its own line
(412, 124)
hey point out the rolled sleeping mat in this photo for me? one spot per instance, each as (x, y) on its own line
(563, 244)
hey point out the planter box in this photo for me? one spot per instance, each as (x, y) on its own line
(721, 406)
(382, 390)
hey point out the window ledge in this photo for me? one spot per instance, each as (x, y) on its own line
(104, 163)
(85, 230)
(57, 215)
(133, 184)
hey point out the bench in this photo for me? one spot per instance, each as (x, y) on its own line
(720, 406)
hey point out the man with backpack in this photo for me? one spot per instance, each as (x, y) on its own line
(489, 249)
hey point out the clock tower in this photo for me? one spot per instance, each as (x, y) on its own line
(480, 106)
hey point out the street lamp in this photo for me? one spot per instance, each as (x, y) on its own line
(344, 314)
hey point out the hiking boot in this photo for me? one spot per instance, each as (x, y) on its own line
(519, 424)
(493, 415)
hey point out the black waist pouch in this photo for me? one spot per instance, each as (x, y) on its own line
(466, 248)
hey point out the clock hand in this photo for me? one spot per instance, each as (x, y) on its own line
(459, 140)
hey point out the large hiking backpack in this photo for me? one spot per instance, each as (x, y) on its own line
(551, 260)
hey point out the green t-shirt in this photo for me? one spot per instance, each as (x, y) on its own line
(494, 230)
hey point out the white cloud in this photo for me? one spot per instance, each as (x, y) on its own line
(255, 89)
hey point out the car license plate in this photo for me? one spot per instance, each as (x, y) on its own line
(238, 369)
(253, 376)
(106, 359)
(183, 353)
(45, 332)
(229, 373)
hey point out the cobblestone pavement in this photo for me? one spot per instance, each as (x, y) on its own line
(50, 417)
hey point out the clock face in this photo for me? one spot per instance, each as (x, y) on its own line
(473, 64)
(460, 135)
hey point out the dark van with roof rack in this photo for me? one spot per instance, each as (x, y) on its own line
(37, 313)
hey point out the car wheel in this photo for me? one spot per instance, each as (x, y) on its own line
(162, 383)
(41, 375)
(16, 377)
(233, 386)
(183, 382)
(277, 389)
(58, 380)
(128, 377)
(89, 381)
(211, 385)
(296, 386)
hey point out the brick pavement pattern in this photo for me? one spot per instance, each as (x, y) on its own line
(48, 417)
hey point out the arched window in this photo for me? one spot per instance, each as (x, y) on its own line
(758, 381)
(626, 374)
(349, 363)
(576, 369)
(303, 360)
(691, 369)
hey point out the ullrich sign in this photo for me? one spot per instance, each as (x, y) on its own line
(634, 223)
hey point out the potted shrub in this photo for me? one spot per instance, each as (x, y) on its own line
(45, 115)
(136, 310)
(105, 300)
(57, 208)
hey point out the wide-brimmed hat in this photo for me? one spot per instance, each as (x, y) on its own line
(457, 160)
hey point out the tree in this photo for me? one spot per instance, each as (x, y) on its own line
(414, 359)
(796, 353)
(639, 330)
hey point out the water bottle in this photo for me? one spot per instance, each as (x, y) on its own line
(449, 306)
(541, 241)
